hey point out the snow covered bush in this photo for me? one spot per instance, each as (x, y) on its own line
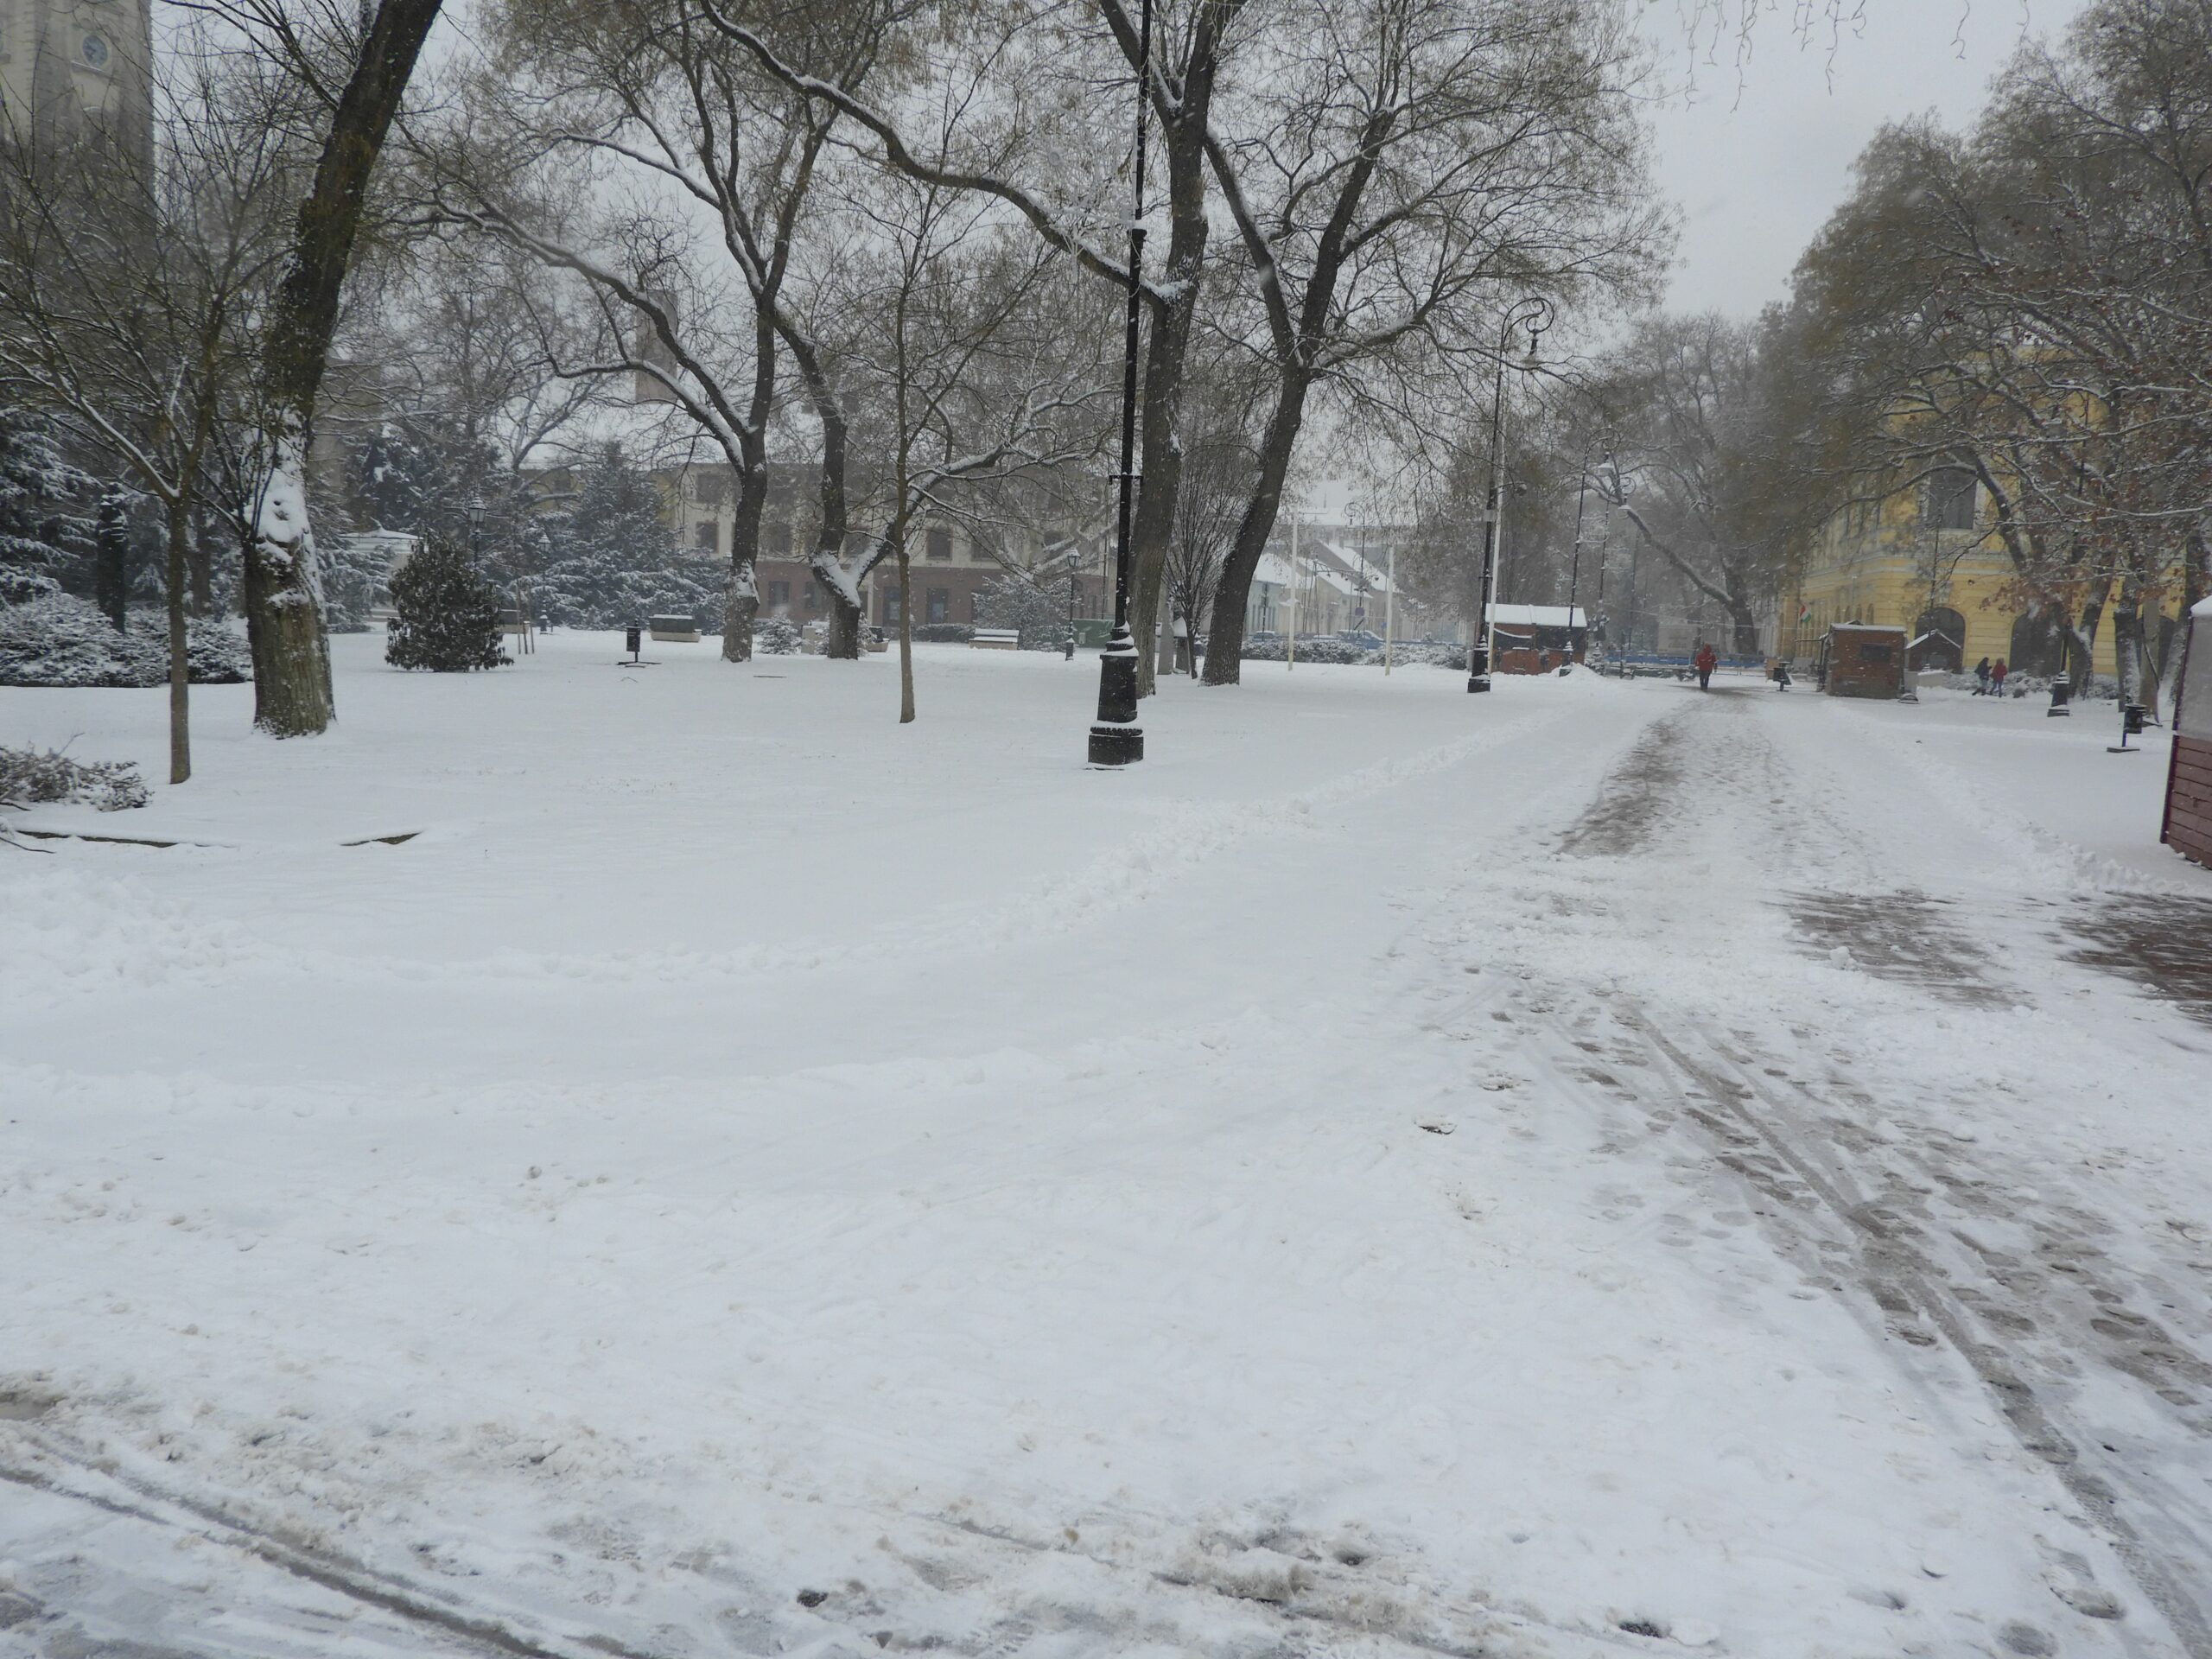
(449, 615)
(61, 640)
(30, 776)
(778, 636)
(946, 633)
(1038, 612)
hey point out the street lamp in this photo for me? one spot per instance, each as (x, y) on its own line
(1533, 312)
(474, 511)
(1574, 570)
(1116, 740)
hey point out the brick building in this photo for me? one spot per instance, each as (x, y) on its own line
(949, 565)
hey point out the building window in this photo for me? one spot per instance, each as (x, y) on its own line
(813, 599)
(890, 604)
(976, 608)
(1950, 499)
(939, 544)
(940, 604)
(96, 51)
(779, 595)
(707, 541)
(776, 539)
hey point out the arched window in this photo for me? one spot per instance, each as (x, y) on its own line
(1940, 636)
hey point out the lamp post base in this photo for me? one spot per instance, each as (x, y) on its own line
(1116, 746)
(1116, 740)
(1478, 682)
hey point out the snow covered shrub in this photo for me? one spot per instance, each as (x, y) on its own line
(448, 618)
(30, 776)
(1038, 612)
(1310, 650)
(61, 640)
(947, 633)
(778, 636)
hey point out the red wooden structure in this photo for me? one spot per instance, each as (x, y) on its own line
(2189, 778)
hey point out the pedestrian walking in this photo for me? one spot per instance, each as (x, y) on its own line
(1704, 661)
(1997, 673)
(1981, 677)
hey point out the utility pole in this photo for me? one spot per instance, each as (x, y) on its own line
(1535, 312)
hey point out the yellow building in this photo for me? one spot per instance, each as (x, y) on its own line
(1928, 560)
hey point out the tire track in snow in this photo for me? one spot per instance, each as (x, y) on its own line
(1904, 1211)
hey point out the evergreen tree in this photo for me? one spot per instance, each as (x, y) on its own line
(448, 618)
(610, 559)
(40, 534)
(1037, 611)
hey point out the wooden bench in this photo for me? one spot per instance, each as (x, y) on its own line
(997, 639)
(684, 629)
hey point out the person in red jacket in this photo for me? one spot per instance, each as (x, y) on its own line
(1997, 673)
(1704, 661)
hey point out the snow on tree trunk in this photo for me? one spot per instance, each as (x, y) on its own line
(844, 638)
(283, 602)
(739, 611)
(284, 596)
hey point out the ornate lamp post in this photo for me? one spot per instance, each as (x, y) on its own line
(1535, 314)
(474, 512)
(1116, 740)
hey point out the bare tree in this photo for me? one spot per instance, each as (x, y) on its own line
(1409, 158)
(132, 290)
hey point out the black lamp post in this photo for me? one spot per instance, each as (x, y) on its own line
(1116, 740)
(474, 512)
(1535, 314)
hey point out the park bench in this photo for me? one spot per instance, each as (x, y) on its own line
(997, 639)
(682, 629)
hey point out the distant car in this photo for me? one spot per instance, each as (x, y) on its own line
(1365, 639)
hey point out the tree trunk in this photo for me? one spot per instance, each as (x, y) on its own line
(844, 641)
(1225, 633)
(741, 606)
(906, 641)
(284, 588)
(199, 554)
(111, 560)
(1167, 353)
(180, 542)
(844, 636)
(2081, 639)
(1746, 624)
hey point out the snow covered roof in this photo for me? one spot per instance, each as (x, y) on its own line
(1862, 627)
(1272, 570)
(1538, 616)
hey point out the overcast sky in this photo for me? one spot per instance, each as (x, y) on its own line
(1757, 170)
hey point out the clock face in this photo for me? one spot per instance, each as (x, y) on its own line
(96, 51)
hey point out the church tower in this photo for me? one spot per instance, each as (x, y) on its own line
(76, 69)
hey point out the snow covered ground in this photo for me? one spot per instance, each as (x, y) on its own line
(1595, 1170)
